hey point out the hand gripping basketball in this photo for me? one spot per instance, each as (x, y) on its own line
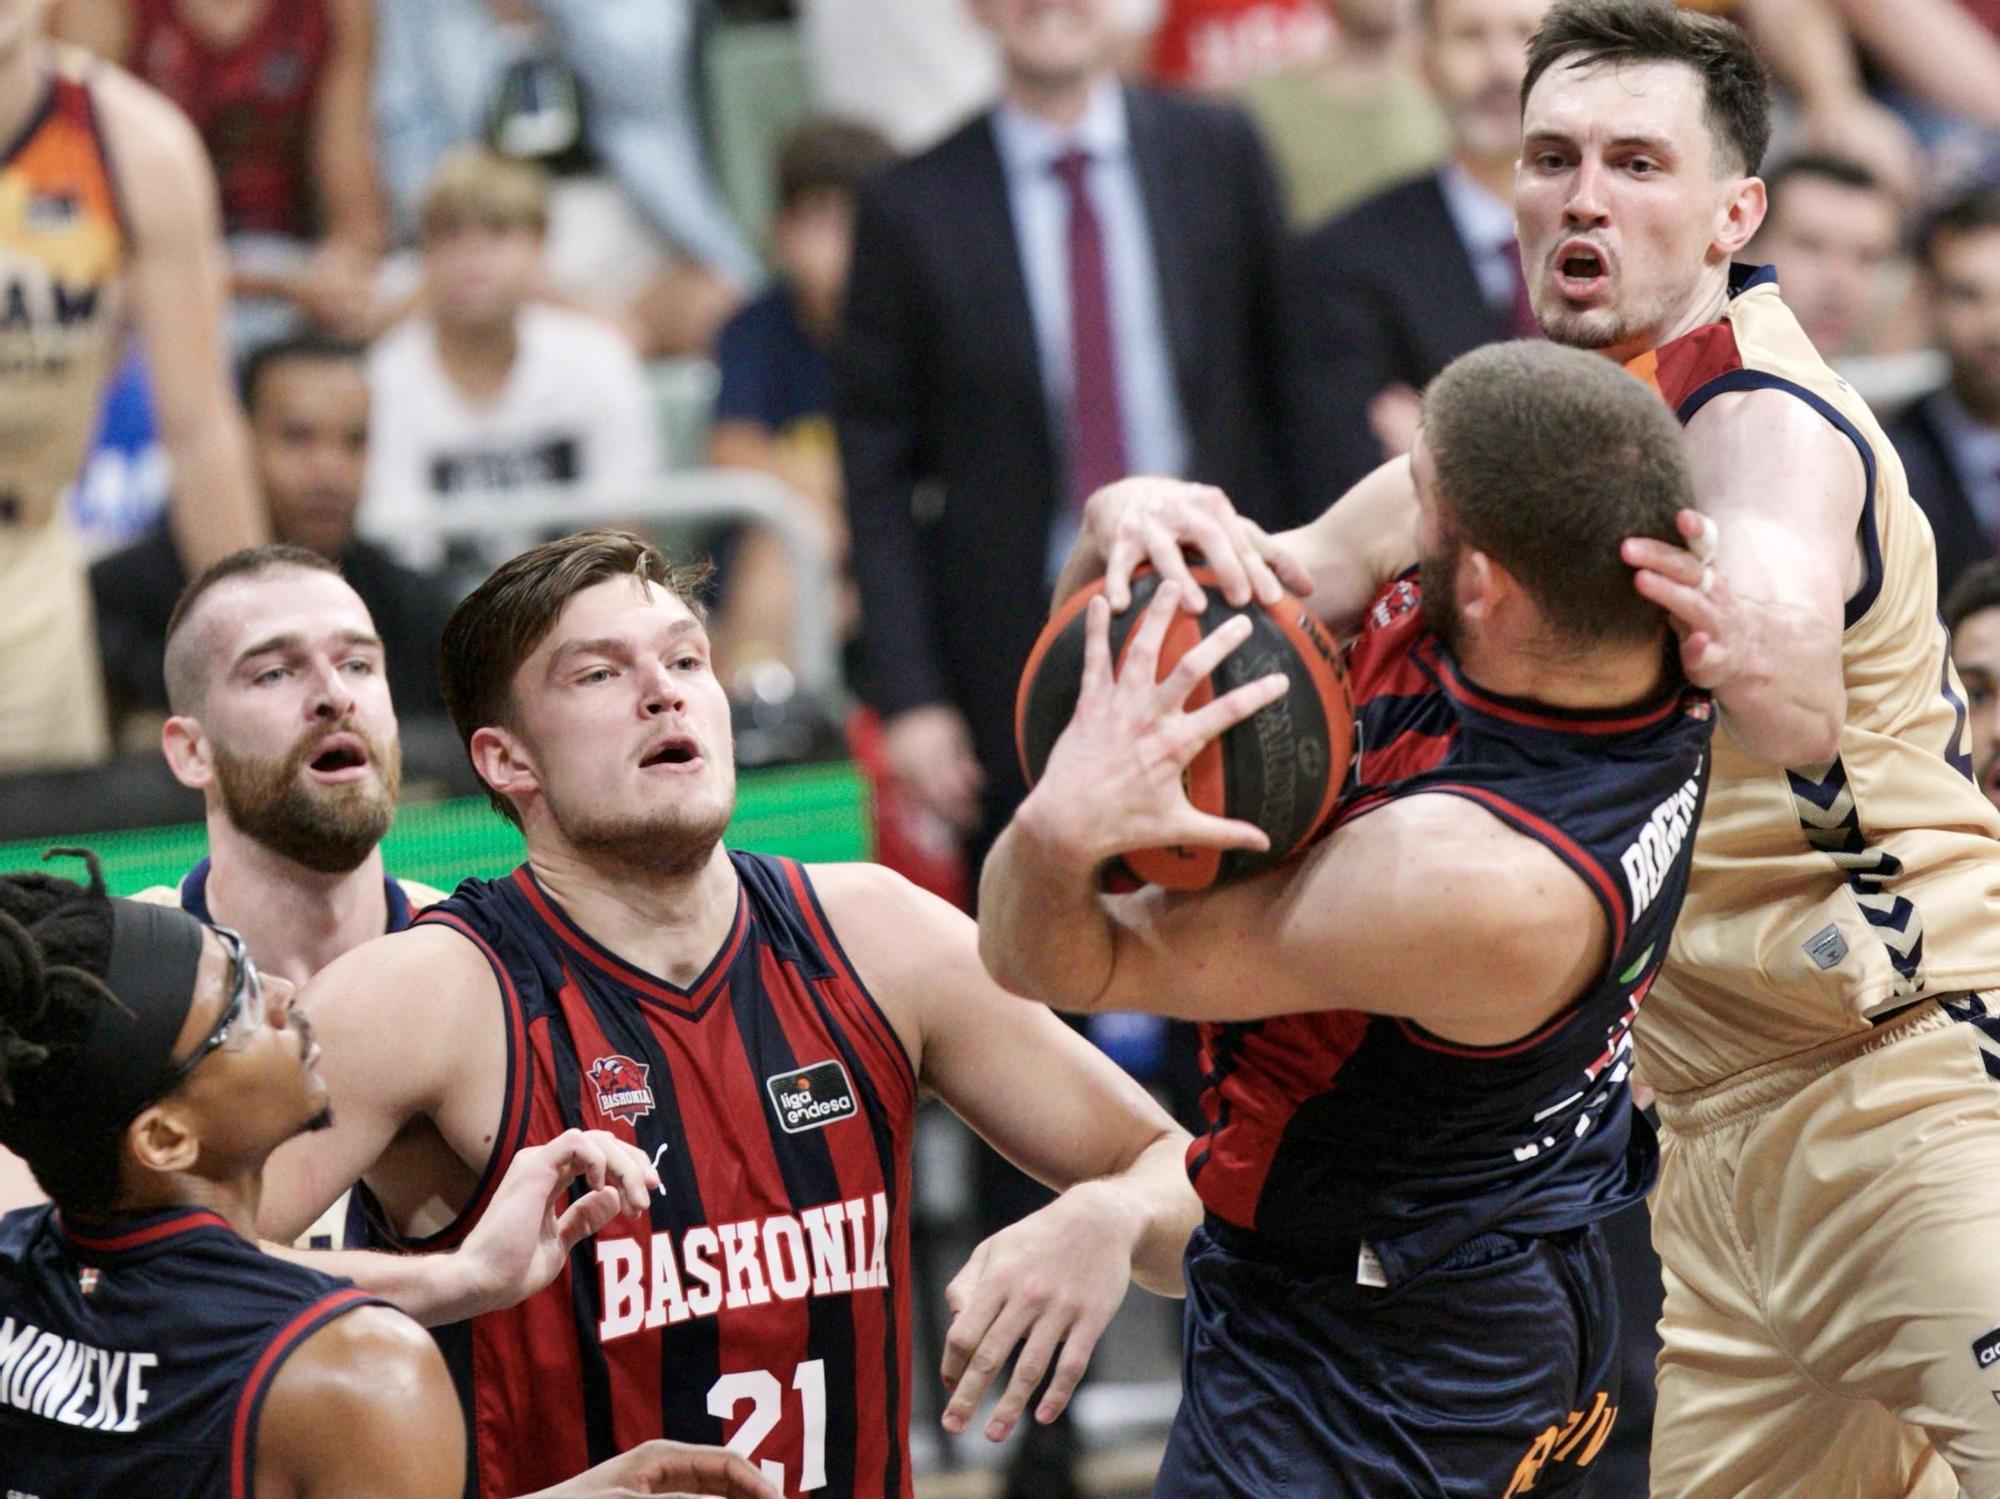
(1160, 757)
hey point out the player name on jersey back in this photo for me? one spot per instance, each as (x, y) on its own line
(71, 1383)
(831, 1250)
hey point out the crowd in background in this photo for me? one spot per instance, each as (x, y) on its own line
(486, 249)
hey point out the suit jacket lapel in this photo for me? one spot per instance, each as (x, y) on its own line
(993, 254)
(1163, 182)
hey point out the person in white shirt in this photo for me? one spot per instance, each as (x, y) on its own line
(487, 391)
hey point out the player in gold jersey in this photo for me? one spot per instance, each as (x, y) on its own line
(1827, 1064)
(107, 209)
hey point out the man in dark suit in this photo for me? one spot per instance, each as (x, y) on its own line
(1404, 282)
(308, 404)
(1083, 282)
(1950, 440)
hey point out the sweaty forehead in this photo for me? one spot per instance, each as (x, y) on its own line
(1610, 100)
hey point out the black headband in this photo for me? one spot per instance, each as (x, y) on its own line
(155, 956)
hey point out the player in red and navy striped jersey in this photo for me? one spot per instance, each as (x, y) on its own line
(760, 1029)
(1417, 1036)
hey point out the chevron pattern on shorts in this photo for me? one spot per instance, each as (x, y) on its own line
(1827, 816)
(1974, 1010)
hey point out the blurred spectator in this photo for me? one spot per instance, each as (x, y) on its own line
(1945, 66)
(487, 391)
(1406, 281)
(106, 217)
(911, 68)
(1354, 118)
(1085, 281)
(604, 90)
(1972, 615)
(280, 91)
(1224, 44)
(1832, 231)
(308, 404)
(774, 409)
(1950, 440)
(1809, 52)
(774, 413)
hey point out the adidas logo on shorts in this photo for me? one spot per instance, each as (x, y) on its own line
(1987, 1351)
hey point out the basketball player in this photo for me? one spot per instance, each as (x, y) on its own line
(760, 1029)
(105, 198)
(147, 1345)
(282, 720)
(1403, 1183)
(1828, 1074)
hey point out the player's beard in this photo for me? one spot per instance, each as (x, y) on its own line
(1438, 599)
(330, 829)
(1609, 328)
(668, 844)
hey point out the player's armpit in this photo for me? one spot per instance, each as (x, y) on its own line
(362, 1406)
(1429, 908)
(409, 1027)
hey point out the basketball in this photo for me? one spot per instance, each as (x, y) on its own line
(1280, 769)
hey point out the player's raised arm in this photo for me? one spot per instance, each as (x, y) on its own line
(177, 284)
(1761, 623)
(1058, 1109)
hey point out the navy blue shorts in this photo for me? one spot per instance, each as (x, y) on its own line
(1490, 1375)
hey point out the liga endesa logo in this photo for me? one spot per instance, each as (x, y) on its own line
(621, 1088)
(812, 1097)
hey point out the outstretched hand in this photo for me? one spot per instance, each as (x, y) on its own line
(1113, 781)
(1049, 1285)
(524, 1237)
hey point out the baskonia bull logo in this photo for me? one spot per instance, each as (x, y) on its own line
(621, 1088)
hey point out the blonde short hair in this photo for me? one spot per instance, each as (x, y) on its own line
(475, 186)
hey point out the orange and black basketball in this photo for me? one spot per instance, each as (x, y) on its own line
(1281, 769)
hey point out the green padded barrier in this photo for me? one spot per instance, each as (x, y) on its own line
(811, 812)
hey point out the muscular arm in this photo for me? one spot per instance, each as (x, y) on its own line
(1359, 543)
(1785, 491)
(1035, 1090)
(1428, 908)
(363, 1406)
(177, 281)
(410, 1033)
